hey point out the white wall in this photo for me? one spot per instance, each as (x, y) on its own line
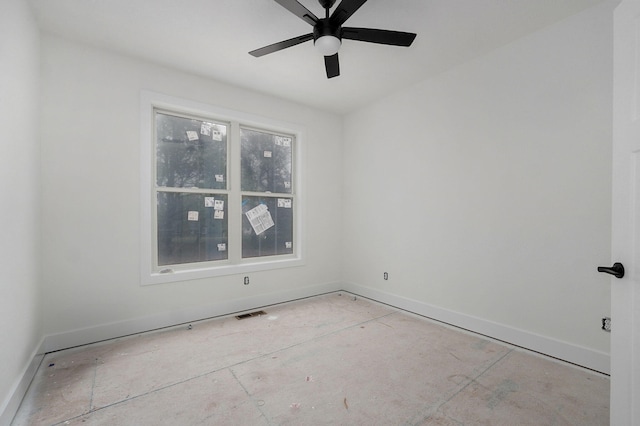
(91, 197)
(486, 190)
(20, 319)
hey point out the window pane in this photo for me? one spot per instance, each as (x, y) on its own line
(266, 162)
(191, 227)
(190, 153)
(267, 226)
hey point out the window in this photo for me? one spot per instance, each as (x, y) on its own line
(223, 191)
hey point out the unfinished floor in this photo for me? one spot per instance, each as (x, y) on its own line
(332, 359)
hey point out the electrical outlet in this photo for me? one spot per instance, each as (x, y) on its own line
(386, 276)
(606, 324)
(246, 280)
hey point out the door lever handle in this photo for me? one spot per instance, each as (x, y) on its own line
(617, 270)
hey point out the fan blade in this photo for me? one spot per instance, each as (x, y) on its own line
(345, 9)
(332, 66)
(299, 10)
(394, 38)
(281, 45)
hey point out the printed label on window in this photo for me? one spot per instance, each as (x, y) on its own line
(222, 247)
(193, 136)
(287, 185)
(218, 214)
(219, 178)
(260, 219)
(267, 154)
(288, 245)
(209, 201)
(193, 216)
(216, 135)
(284, 203)
(283, 141)
(205, 129)
(218, 204)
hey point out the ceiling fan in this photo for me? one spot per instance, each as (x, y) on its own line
(328, 32)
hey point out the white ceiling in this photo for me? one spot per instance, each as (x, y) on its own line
(212, 38)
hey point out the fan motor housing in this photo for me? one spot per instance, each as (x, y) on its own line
(324, 28)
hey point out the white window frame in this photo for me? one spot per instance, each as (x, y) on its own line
(235, 264)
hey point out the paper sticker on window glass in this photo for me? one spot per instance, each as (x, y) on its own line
(284, 203)
(283, 141)
(192, 136)
(205, 129)
(260, 218)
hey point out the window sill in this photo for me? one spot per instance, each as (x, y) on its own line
(150, 278)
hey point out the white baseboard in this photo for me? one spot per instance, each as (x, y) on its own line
(581, 356)
(585, 357)
(83, 336)
(10, 405)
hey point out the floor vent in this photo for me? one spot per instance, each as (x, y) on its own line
(251, 314)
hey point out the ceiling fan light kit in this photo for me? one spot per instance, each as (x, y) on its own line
(328, 45)
(328, 32)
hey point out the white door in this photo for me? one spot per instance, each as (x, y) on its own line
(625, 292)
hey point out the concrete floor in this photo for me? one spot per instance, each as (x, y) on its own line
(325, 360)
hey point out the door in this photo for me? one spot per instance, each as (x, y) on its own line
(625, 291)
